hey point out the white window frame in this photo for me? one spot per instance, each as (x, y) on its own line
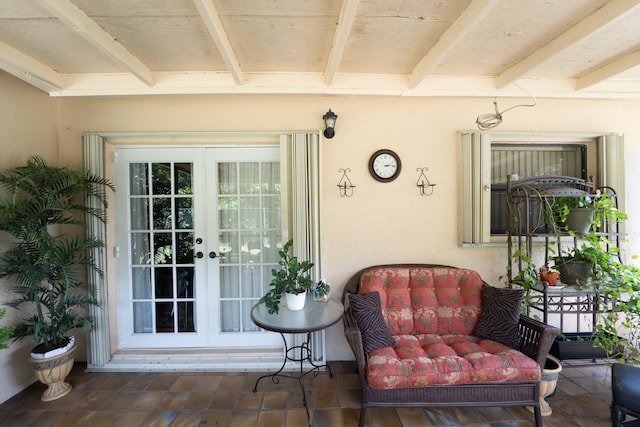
(474, 200)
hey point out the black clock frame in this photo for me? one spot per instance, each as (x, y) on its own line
(392, 154)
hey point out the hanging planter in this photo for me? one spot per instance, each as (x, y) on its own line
(579, 220)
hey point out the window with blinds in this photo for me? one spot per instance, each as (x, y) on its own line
(529, 160)
(487, 158)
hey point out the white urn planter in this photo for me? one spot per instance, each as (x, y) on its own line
(52, 370)
(295, 302)
(548, 383)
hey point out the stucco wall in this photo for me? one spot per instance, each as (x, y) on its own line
(28, 125)
(381, 223)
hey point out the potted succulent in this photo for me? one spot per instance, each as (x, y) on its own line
(45, 214)
(292, 279)
(321, 291)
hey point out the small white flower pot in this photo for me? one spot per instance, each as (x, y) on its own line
(295, 302)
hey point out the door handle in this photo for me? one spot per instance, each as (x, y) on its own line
(199, 255)
(213, 255)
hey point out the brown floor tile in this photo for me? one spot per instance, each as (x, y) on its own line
(327, 417)
(148, 400)
(412, 417)
(216, 418)
(296, 418)
(271, 418)
(218, 399)
(224, 401)
(187, 419)
(172, 401)
(104, 418)
(131, 419)
(160, 418)
(208, 382)
(323, 399)
(383, 417)
(121, 401)
(198, 400)
(244, 418)
(250, 401)
(96, 400)
(275, 400)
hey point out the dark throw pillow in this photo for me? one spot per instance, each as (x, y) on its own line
(368, 313)
(500, 315)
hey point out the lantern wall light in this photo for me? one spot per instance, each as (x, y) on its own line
(329, 124)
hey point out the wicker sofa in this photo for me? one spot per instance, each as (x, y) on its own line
(415, 330)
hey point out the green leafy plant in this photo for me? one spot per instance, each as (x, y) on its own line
(604, 208)
(292, 277)
(5, 331)
(321, 289)
(46, 266)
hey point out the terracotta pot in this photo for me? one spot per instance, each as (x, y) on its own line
(551, 277)
(52, 372)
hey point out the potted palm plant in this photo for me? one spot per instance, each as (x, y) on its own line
(45, 268)
(5, 331)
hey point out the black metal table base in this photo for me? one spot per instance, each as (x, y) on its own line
(304, 356)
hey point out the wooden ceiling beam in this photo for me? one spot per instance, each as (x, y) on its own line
(607, 14)
(30, 70)
(347, 16)
(211, 19)
(87, 28)
(453, 35)
(608, 70)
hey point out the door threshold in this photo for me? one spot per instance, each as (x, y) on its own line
(193, 359)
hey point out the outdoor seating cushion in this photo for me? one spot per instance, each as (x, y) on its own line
(432, 314)
(500, 306)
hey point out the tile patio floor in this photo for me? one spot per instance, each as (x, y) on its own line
(222, 399)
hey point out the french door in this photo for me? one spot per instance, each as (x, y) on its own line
(198, 232)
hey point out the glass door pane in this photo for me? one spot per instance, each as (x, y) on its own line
(162, 260)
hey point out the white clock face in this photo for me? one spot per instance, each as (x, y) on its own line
(385, 165)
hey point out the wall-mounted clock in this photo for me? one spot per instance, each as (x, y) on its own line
(384, 165)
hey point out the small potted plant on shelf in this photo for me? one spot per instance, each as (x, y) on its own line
(580, 215)
(292, 279)
(549, 275)
(45, 266)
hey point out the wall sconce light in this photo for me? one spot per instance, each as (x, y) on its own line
(329, 124)
(345, 185)
(426, 188)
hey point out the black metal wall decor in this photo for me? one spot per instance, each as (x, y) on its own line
(345, 185)
(426, 187)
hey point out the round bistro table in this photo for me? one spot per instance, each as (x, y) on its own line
(315, 316)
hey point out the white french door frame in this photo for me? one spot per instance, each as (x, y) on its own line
(300, 166)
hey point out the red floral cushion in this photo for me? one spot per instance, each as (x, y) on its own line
(432, 313)
(418, 361)
(426, 300)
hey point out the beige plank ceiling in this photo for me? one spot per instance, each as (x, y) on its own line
(553, 48)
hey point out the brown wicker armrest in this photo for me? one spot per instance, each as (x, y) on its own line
(354, 337)
(536, 338)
